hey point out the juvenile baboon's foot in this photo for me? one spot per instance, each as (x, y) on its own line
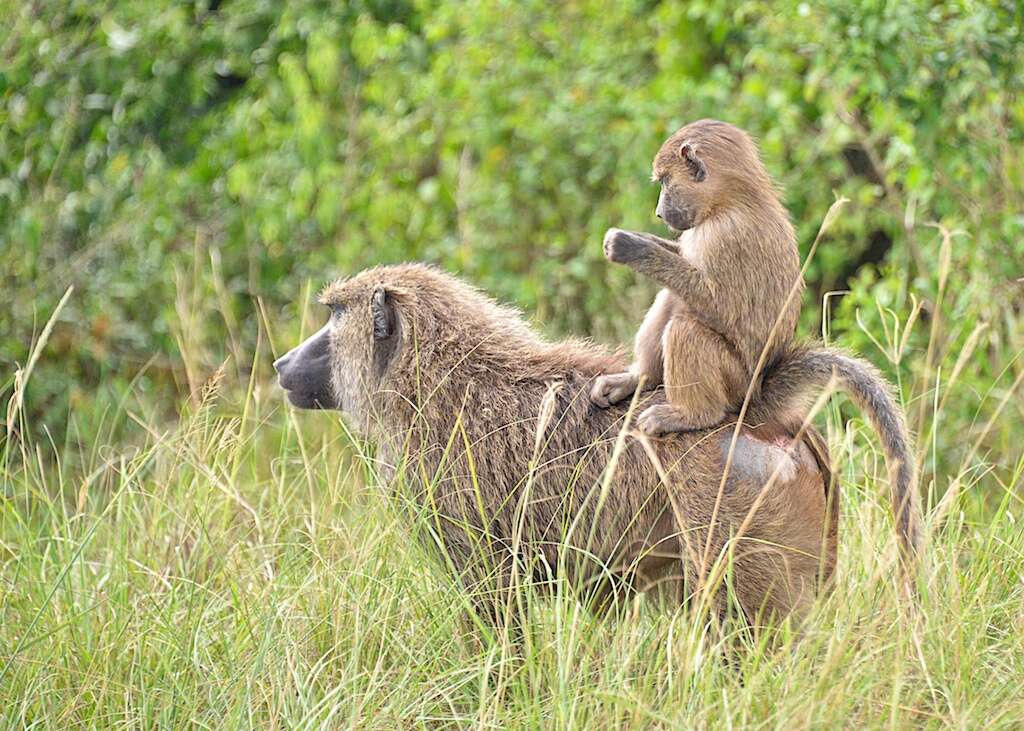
(662, 419)
(613, 388)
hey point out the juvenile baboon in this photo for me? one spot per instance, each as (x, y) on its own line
(488, 430)
(732, 283)
(727, 279)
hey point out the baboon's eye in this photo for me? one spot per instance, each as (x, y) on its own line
(336, 308)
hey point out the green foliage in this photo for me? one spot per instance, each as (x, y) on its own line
(299, 141)
(177, 161)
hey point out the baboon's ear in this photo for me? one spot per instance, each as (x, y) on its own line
(382, 313)
(693, 162)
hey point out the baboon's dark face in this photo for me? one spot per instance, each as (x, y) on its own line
(674, 208)
(304, 372)
(682, 175)
(697, 168)
(344, 363)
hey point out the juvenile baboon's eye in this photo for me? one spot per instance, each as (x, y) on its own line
(336, 308)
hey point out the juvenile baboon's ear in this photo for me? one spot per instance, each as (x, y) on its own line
(693, 162)
(382, 312)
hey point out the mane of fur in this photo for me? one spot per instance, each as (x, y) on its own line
(480, 413)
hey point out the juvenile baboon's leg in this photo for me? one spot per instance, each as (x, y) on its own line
(703, 380)
(648, 358)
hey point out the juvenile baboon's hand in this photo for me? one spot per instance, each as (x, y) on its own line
(624, 247)
(613, 388)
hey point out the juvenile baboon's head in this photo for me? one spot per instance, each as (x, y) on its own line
(704, 167)
(395, 329)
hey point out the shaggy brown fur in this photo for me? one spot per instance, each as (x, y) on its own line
(727, 279)
(493, 434)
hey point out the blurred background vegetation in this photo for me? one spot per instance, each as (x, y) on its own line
(179, 163)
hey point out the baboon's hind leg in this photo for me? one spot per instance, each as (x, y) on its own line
(647, 368)
(665, 419)
(704, 380)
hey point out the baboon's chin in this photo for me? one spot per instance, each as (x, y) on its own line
(676, 222)
(679, 224)
(310, 402)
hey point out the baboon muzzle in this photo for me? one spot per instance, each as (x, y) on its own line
(304, 372)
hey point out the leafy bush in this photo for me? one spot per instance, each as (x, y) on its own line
(175, 161)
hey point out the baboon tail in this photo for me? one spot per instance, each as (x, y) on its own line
(792, 383)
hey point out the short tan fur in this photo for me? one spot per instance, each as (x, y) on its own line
(727, 278)
(728, 298)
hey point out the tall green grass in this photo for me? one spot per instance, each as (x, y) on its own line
(243, 567)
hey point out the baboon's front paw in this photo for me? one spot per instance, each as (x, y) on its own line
(612, 389)
(661, 419)
(623, 247)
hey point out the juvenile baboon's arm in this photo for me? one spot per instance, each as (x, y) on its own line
(653, 256)
(672, 245)
(648, 356)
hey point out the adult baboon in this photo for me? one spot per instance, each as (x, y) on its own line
(499, 444)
